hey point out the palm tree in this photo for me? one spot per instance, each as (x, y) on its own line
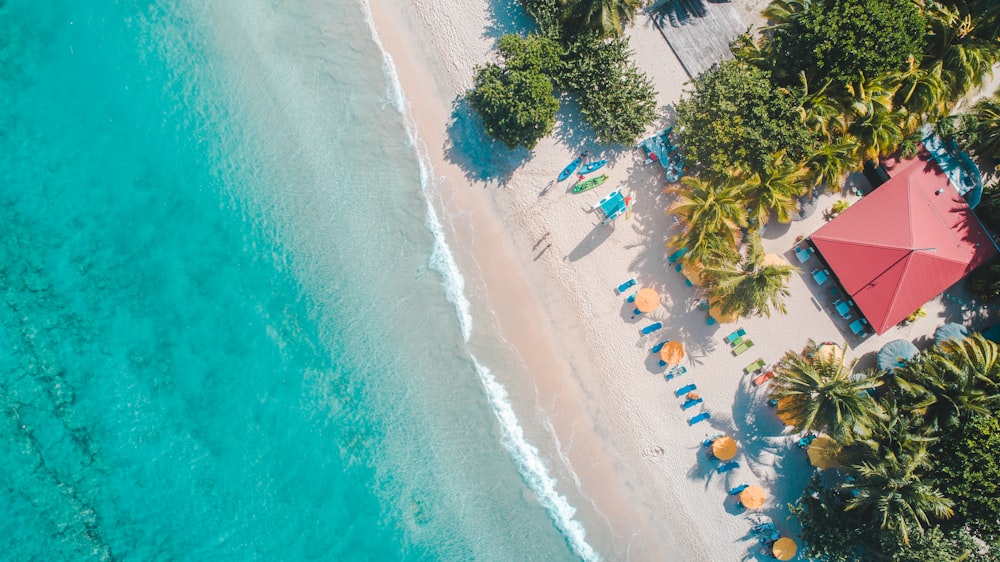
(986, 141)
(749, 287)
(819, 393)
(965, 51)
(605, 17)
(776, 189)
(831, 161)
(783, 13)
(821, 112)
(954, 380)
(752, 52)
(923, 92)
(708, 209)
(874, 121)
(892, 490)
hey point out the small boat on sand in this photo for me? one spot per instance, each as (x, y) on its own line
(590, 184)
(570, 168)
(592, 166)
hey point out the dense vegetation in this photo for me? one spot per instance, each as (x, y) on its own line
(591, 62)
(918, 476)
(829, 85)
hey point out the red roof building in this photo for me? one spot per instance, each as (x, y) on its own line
(905, 243)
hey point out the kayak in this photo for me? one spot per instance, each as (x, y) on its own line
(592, 166)
(570, 168)
(590, 184)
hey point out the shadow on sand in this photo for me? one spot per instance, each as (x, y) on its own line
(480, 158)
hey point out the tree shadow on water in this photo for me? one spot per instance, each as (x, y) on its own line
(480, 158)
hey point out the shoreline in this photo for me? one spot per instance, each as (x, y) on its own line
(632, 464)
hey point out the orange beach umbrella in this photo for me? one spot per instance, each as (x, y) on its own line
(672, 352)
(646, 300)
(752, 497)
(823, 452)
(724, 448)
(784, 548)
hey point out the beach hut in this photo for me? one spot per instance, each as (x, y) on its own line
(823, 452)
(752, 497)
(646, 300)
(672, 352)
(724, 448)
(950, 332)
(784, 548)
(895, 354)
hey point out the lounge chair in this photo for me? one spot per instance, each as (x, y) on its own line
(711, 321)
(738, 489)
(754, 367)
(685, 389)
(737, 335)
(738, 350)
(727, 467)
(763, 378)
(688, 403)
(738, 341)
(625, 286)
(700, 417)
(651, 328)
(805, 441)
(676, 372)
(709, 440)
(677, 255)
(631, 298)
(656, 348)
(636, 312)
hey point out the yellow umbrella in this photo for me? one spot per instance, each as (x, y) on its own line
(752, 497)
(784, 548)
(774, 259)
(830, 352)
(646, 300)
(783, 413)
(693, 272)
(672, 352)
(715, 311)
(724, 448)
(823, 452)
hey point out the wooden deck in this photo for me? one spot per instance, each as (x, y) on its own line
(698, 31)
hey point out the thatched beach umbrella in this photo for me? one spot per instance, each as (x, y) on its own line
(784, 548)
(672, 352)
(830, 352)
(752, 497)
(715, 311)
(784, 412)
(773, 259)
(895, 353)
(950, 332)
(693, 272)
(823, 452)
(724, 448)
(646, 300)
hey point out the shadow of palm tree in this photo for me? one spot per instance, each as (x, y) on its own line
(597, 236)
(505, 17)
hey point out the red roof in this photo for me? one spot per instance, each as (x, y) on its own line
(904, 243)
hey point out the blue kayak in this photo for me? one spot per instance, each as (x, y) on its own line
(592, 166)
(568, 170)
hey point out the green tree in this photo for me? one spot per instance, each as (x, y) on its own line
(962, 41)
(819, 393)
(711, 213)
(616, 99)
(953, 380)
(984, 282)
(839, 39)
(894, 492)
(736, 118)
(830, 162)
(776, 189)
(985, 141)
(968, 470)
(515, 99)
(605, 17)
(750, 287)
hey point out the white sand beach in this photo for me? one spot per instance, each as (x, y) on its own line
(549, 272)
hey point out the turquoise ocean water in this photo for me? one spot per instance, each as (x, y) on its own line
(229, 326)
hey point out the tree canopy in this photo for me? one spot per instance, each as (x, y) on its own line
(515, 98)
(839, 40)
(736, 118)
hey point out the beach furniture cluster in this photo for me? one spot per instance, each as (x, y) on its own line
(659, 148)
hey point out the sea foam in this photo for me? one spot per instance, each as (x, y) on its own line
(525, 455)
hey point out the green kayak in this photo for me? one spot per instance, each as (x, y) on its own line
(590, 184)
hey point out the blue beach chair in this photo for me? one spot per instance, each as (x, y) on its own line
(732, 338)
(685, 389)
(626, 286)
(738, 489)
(651, 328)
(675, 372)
(700, 417)
(688, 403)
(656, 348)
(727, 467)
